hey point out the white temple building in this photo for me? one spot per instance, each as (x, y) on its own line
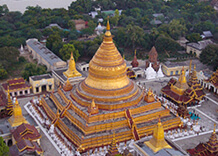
(99, 29)
(150, 73)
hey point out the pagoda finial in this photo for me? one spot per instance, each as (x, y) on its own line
(195, 67)
(123, 56)
(135, 51)
(190, 67)
(214, 129)
(93, 103)
(108, 28)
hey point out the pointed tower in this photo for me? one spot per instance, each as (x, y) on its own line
(9, 106)
(71, 71)
(212, 144)
(107, 81)
(17, 118)
(134, 62)
(157, 142)
(113, 148)
(190, 67)
(67, 86)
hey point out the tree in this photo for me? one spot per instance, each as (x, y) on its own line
(4, 149)
(209, 55)
(66, 51)
(166, 45)
(134, 36)
(177, 28)
(194, 37)
(54, 43)
(3, 73)
(32, 69)
(8, 56)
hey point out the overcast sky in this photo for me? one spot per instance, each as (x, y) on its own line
(20, 5)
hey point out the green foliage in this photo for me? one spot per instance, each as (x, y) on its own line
(209, 55)
(4, 149)
(66, 51)
(194, 37)
(54, 43)
(166, 45)
(22, 59)
(8, 56)
(32, 69)
(3, 73)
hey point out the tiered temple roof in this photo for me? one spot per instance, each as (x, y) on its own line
(206, 149)
(15, 84)
(9, 105)
(182, 92)
(214, 79)
(120, 103)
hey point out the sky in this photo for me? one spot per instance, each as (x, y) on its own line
(20, 5)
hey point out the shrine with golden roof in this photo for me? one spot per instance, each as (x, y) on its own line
(182, 92)
(106, 101)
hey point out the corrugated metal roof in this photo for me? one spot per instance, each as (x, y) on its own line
(44, 52)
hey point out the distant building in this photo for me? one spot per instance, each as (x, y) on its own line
(182, 41)
(16, 87)
(214, 3)
(107, 13)
(173, 68)
(41, 83)
(80, 24)
(211, 83)
(83, 66)
(44, 55)
(53, 25)
(207, 35)
(196, 48)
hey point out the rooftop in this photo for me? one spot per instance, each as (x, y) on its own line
(201, 44)
(39, 77)
(175, 64)
(44, 52)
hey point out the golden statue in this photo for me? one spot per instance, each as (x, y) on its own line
(71, 71)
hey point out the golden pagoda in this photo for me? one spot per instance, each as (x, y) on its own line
(149, 97)
(9, 106)
(71, 71)
(17, 118)
(106, 101)
(67, 86)
(113, 147)
(157, 142)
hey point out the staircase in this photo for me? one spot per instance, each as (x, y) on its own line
(132, 125)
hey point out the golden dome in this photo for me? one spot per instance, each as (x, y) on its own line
(107, 81)
(107, 69)
(67, 86)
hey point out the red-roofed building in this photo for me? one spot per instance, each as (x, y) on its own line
(181, 92)
(3, 100)
(212, 83)
(26, 140)
(16, 87)
(209, 148)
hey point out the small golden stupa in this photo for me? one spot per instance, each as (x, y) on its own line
(93, 109)
(17, 118)
(71, 71)
(149, 97)
(67, 86)
(157, 142)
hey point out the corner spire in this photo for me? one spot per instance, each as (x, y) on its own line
(108, 28)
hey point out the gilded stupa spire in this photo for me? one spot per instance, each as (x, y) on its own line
(9, 106)
(149, 97)
(181, 84)
(71, 71)
(17, 118)
(158, 142)
(93, 109)
(190, 67)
